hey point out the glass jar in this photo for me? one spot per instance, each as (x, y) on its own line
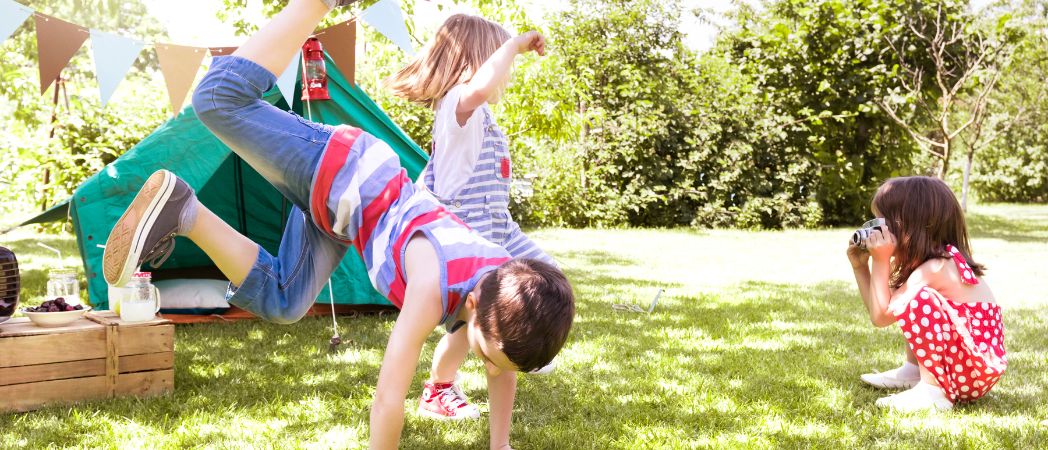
(64, 283)
(142, 300)
(141, 286)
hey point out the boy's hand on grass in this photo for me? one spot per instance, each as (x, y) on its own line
(529, 41)
(881, 244)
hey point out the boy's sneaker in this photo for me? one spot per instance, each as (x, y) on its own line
(164, 208)
(922, 397)
(902, 377)
(446, 401)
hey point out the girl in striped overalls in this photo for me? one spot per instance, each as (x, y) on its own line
(466, 67)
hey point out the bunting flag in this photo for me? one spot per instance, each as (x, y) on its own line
(386, 17)
(114, 56)
(57, 41)
(340, 42)
(11, 17)
(179, 65)
(286, 80)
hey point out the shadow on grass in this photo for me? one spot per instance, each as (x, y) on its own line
(754, 365)
(770, 364)
(1022, 228)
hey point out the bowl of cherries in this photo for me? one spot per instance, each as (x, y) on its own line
(55, 313)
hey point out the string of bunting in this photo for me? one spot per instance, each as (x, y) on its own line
(58, 41)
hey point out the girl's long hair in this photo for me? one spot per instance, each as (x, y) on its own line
(924, 216)
(461, 46)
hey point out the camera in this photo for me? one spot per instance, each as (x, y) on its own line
(860, 236)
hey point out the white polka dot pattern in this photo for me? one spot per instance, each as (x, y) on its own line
(964, 342)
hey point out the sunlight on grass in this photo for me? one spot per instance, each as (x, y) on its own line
(339, 437)
(758, 341)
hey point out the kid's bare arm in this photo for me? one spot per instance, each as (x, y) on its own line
(881, 248)
(274, 44)
(860, 262)
(502, 388)
(418, 317)
(494, 73)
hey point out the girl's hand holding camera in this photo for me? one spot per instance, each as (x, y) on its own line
(881, 244)
(858, 257)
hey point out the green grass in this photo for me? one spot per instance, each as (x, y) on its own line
(758, 342)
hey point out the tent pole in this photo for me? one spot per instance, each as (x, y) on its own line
(238, 176)
(335, 338)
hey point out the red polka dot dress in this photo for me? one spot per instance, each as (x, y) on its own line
(961, 344)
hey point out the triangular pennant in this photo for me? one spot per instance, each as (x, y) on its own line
(179, 65)
(114, 56)
(57, 41)
(340, 42)
(221, 51)
(386, 17)
(11, 17)
(286, 80)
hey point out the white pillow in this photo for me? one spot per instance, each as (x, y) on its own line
(207, 296)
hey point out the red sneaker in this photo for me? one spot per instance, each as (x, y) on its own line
(446, 401)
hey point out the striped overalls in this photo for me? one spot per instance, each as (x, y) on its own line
(483, 202)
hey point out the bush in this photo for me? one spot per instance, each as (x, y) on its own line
(87, 137)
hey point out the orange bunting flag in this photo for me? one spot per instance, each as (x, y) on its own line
(340, 41)
(179, 65)
(57, 41)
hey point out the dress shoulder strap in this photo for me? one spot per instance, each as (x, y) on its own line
(967, 276)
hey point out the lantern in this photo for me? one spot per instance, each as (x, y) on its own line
(314, 76)
(10, 284)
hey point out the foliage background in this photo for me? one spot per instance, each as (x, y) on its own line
(622, 124)
(86, 135)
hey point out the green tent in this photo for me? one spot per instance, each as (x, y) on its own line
(226, 185)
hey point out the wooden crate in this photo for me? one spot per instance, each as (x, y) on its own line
(96, 357)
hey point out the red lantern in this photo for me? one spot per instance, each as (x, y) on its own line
(314, 76)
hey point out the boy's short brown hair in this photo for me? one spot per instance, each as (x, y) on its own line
(528, 307)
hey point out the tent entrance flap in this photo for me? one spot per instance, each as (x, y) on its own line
(52, 214)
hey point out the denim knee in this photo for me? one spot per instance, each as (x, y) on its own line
(207, 109)
(232, 83)
(287, 316)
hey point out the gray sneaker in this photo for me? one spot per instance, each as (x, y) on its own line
(164, 208)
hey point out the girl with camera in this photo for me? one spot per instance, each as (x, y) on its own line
(924, 279)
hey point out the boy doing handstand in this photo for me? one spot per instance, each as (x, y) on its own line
(349, 190)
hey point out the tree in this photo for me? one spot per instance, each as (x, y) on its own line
(817, 67)
(1013, 154)
(966, 65)
(41, 170)
(647, 146)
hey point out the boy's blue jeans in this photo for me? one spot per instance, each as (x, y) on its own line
(286, 150)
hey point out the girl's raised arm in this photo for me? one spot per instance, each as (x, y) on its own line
(492, 76)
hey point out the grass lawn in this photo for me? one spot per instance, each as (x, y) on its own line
(758, 341)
